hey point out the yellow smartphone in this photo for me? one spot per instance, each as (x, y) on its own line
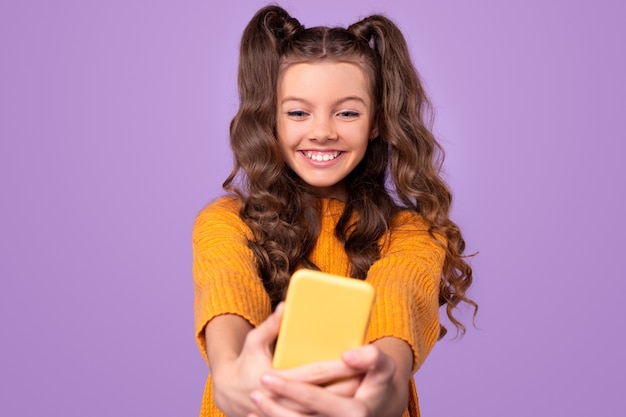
(324, 316)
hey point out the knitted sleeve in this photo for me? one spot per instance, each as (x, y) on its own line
(407, 278)
(224, 269)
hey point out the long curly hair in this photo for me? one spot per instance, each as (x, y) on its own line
(400, 170)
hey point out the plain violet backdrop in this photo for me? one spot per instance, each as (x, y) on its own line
(114, 133)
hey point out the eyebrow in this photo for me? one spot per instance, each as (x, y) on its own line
(336, 103)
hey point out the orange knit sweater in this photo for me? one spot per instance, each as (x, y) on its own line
(406, 279)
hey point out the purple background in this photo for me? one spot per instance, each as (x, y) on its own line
(113, 129)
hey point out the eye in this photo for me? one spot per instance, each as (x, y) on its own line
(297, 114)
(348, 114)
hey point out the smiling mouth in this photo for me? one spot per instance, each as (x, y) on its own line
(321, 156)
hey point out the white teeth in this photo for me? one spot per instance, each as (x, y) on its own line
(321, 157)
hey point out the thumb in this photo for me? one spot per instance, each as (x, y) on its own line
(266, 332)
(371, 360)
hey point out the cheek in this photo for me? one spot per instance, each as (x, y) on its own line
(286, 143)
(290, 134)
(281, 134)
(359, 137)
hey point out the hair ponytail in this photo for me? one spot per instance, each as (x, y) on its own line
(260, 52)
(404, 116)
(251, 130)
(404, 122)
(280, 215)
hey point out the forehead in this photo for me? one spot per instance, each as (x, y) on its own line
(322, 78)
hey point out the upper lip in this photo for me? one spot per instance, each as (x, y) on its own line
(321, 150)
(325, 155)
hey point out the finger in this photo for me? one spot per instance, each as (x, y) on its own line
(265, 333)
(344, 384)
(268, 406)
(335, 377)
(370, 359)
(319, 373)
(345, 387)
(279, 403)
(312, 397)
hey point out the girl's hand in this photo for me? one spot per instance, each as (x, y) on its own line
(381, 392)
(239, 355)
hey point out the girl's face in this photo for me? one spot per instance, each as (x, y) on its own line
(324, 122)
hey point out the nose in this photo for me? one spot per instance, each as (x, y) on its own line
(323, 129)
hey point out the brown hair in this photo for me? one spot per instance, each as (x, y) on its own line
(282, 211)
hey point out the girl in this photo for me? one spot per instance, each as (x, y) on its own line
(335, 170)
